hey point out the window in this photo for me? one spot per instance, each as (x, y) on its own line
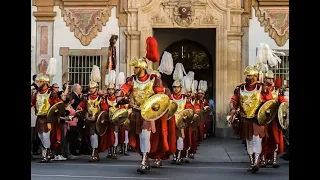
(79, 69)
(77, 65)
(283, 68)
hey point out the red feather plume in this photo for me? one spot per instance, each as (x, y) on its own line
(277, 82)
(152, 50)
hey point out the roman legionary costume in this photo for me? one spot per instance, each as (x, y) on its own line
(204, 106)
(189, 141)
(123, 135)
(267, 58)
(166, 67)
(47, 112)
(92, 105)
(249, 97)
(149, 108)
(273, 142)
(110, 135)
(193, 131)
(182, 117)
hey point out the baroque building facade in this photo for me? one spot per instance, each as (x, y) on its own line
(77, 33)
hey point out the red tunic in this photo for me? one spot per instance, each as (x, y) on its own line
(274, 134)
(194, 133)
(187, 141)
(108, 139)
(202, 103)
(172, 130)
(83, 105)
(159, 140)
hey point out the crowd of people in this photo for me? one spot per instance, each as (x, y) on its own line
(142, 114)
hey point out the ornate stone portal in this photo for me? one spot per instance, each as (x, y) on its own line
(224, 15)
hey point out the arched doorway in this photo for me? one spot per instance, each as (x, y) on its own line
(194, 57)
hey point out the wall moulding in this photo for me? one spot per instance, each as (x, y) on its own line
(44, 11)
(86, 17)
(274, 19)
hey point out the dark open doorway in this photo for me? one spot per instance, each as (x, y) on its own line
(195, 49)
(194, 57)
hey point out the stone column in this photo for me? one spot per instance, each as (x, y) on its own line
(122, 50)
(233, 65)
(44, 30)
(133, 48)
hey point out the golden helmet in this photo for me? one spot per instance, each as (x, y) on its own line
(43, 78)
(93, 84)
(269, 74)
(249, 70)
(142, 63)
(200, 91)
(176, 83)
(111, 86)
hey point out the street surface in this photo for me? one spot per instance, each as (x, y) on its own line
(218, 159)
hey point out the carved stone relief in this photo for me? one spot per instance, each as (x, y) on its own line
(275, 22)
(234, 3)
(184, 15)
(85, 22)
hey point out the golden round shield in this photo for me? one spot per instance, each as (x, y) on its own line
(283, 115)
(119, 116)
(267, 112)
(55, 112)
(184, 118)
(172, 109)
(155, 107)
(102, 122)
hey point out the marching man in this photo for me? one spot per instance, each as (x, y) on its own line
(273, 143)
(141, 86)
(93, 104)
(43, 100)
(181, 101)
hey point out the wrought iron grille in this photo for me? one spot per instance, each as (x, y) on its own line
(283, 69)
(79, 69)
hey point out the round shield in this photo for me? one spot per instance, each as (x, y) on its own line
(184, 118)
(195, 121)
(155, 107)
(200, 114)
(120, 116)
(173, 107)
(267, 112)
(56, 111)
(102, 123)
(283, 115)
